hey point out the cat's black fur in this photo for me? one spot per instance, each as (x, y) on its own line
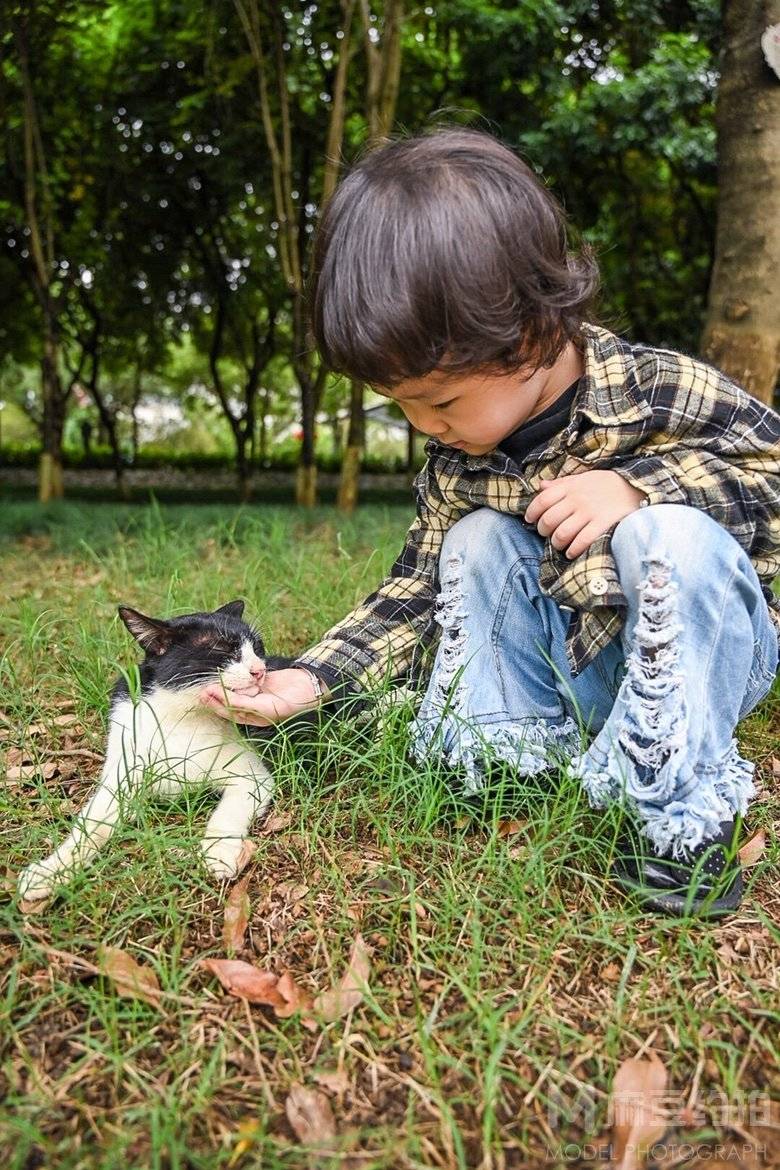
(184, 651)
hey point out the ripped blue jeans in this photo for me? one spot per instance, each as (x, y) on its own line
(651, 719)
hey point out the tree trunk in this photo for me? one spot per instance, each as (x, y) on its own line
(40, 222)
(134, 411)
(50, 481)
(742, 331)
(349, 480)
(383, 75)
(306, 485)
(410, 433)
(265, 411)
(306, 480)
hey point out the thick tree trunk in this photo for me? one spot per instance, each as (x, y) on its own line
(349, 480)
(383, 76)
(50, 481)
(742, 331)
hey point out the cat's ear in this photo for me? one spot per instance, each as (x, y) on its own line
(152, 634)
(234, 609)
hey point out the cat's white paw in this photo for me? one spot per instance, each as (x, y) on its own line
(36, 882)
(225, 857)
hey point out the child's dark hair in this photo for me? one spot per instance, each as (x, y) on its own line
(445, 251)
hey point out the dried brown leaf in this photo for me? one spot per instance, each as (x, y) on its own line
(752, 851)
(310, 1114)
(276, 823)
(28, 906)
(333, 1004)
(335, 1080)
(132, 981)
(775, 762)
(29, 771)
(292, 892)
(237, 910)
(66, 720)
(296, 1000)
(246, 853)
(637, 1110)
(37, 729)
(508, 828)
(246, 981)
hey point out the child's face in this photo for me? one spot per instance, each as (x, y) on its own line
(472, 411)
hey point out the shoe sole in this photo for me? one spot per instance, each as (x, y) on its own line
(679, 904)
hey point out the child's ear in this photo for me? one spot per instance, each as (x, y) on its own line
(152, 634)
(234, 609)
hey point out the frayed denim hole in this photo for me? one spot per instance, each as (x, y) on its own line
(653, 730)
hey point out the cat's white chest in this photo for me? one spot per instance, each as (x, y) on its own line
(173, 738)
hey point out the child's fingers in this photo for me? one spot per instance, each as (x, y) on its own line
(555, 516)
(544, 499)
(259, 711)
(565, 532)
(584, 539)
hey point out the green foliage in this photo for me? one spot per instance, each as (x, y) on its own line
(166, 245)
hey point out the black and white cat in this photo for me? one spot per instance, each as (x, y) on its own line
(164, 738)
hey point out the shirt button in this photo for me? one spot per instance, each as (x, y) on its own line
(598, 586)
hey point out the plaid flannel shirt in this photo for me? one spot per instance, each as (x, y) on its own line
(677, 429)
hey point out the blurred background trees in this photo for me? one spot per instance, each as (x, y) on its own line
(165, 164)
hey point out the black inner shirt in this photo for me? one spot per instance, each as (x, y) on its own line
(538, 430)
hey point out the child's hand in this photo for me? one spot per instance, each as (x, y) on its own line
(574, 510)
(285, 692)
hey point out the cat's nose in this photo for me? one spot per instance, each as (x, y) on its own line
(258, 671)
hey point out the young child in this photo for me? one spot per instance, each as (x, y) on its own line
(598, 523)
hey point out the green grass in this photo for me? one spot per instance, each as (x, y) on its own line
(509, 977)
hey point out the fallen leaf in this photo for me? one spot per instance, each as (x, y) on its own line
(245, 855)
(246, 981)
(508, 828)
(132, 980)
(333, 1004)
(29, 906)
(611, 973)
(30, 771)
(752, 851)
(311, 1117)
(275, 824)
(66, 720)
(292, 891)
(15, 756)
(296, 1000)
(776, 767)
(37, 729)
(637, 1110)
(333, 1079)
(237, 909)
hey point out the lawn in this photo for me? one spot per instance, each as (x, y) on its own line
(508, 977)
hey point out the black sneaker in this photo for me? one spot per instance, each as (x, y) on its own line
(706, 884)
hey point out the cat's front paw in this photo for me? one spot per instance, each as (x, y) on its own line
(36, 882)
(225, 857)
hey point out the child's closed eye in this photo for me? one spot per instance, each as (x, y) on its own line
(443, 405)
